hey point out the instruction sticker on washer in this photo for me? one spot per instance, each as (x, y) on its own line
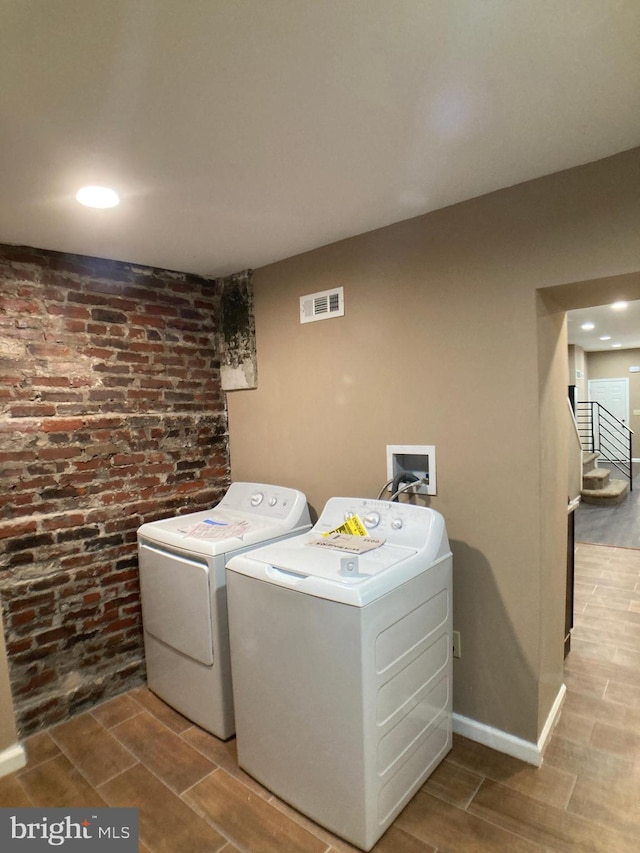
(219, 527)
(347, 542)
(353, 526)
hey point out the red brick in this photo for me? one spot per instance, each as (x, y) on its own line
(32, 411)
(74, 487)
(130, 459)
(62, 424)
(133, 357)
(46, 637)
(19, 306)
(95, 516)
(14, 647)
(121, 624)
(75, 311)
(60, 452)
(42, 602)
(89, 299)
(9, 379)
(16, 529)
(100, 422)
(35, 682)
(68, 520)
(120, 577)
(61, 397)
(90, 465)
(75, 326)
(23, 617)
(50, 350)
(146, 320)
(33, 485)
(18, 456)
(145, 346)
(119, 524)
(51, 381)
(74, 561)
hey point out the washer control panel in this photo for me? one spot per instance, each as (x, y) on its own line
(398, 523)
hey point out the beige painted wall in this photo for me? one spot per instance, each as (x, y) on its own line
(615, 365)
(8, 733)
(578, 371)
(553, 498)
(445, 341)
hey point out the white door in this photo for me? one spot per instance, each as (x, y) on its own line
(613, 394)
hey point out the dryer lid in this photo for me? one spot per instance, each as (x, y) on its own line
(214, 531)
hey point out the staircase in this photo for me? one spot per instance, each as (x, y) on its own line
(597, 487)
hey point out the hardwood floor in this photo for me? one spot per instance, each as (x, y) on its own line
(615, 525)
(191, 795)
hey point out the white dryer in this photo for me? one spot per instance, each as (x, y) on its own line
(183, 594)
(342, 664)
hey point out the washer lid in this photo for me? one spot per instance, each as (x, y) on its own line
(339, 576)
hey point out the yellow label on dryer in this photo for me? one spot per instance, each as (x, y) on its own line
(353, 526)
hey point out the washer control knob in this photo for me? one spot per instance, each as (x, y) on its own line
(396, 523)
(372, 519)
(273, 501)
(256, 498)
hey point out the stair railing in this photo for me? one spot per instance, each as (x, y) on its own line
(602, 432)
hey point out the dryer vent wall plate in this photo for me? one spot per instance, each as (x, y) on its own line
(322, 305)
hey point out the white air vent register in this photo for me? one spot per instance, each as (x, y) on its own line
(322, 305)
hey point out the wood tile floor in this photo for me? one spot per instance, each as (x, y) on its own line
(135, 751)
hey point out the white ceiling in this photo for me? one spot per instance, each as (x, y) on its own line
(622, 326)
(240, 132)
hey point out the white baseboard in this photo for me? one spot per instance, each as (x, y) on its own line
(12, 759)
(509, 744)
(552, 719)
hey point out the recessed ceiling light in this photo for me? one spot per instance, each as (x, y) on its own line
(97, 197)
(619, 306)
(588, 326)
(605, 337)
(615, 346)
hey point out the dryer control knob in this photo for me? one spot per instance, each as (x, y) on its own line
(273, 501)
(372, 519)
(396, 523)
(257, 498)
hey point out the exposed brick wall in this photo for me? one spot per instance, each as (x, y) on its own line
(111, 414)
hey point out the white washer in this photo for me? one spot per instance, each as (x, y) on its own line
(182, 587)
(342, 666)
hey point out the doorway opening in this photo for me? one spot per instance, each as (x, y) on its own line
(604, 368)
